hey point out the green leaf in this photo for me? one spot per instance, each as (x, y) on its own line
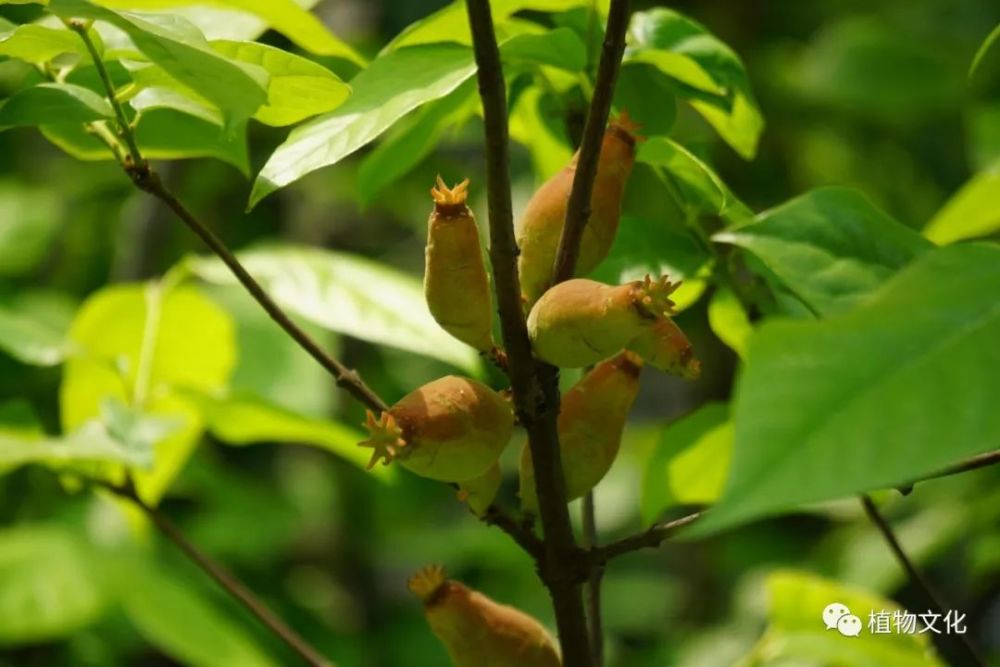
(392, 86)
(897, 388)
(690, 461)
(245, 420)
(91, 443)
(47, 585)
(288, 17)
(52, 103)
(411, 140)
(648, 98)
(31, 341)
(557, 48)
(347, 294)
(144, 346)
(162, 134)
(796, 629)
(684, 50)
(177, 618)
(831, 247)
(971, 212)
(729, 321)
(701, 189)
(38, 44)
(451, 23)
(236, 88)
(298, 88)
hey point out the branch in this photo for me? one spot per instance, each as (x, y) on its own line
(519, 532)
(223, 577)
(535, 386)
(578, 206)
(650, 538)
(960, 642)
(593, 593)
(968, 465)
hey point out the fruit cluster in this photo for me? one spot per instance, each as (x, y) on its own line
(454, 429)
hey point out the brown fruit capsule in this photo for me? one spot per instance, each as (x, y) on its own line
(663, 345)
(541, 224)
(452, 429)
(579, 322)
(481, 491)
(477, 631)
(592, 418)
(456, 285)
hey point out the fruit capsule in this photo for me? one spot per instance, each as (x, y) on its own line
(480, 492)
(541, 223)
(579, 322)
(476, 631)
(452, 429)
(663, 345)
(592, 418)
(456, 285)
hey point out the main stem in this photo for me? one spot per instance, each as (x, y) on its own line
(535, 385)
(593, 593)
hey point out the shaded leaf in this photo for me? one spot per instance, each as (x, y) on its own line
(91, 443)
(557, 48)
(52, 103)
(831, 247)
(897, 388)
(701, 188)
(31, 341)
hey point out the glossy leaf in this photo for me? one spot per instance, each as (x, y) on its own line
(392, 86)
(181, 621)
(701, 189)
(288, 17)
(347, 294)
(411, 140)
(971, 212)
(897, 388)
(48, 589)
(52, 103)
(690, 461)
(830, 247)
(684, 50)
(238, 89)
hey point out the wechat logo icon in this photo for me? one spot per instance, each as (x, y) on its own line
(837, 616)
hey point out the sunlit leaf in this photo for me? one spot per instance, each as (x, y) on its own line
(700, 187)
(31, 341)
(896, 388)
(971, 212)
(529, 126)
(729, 320)
(690, 461)
(236, 88)
(347, 294)
(91, 443)
(392, 86)
(38, 44)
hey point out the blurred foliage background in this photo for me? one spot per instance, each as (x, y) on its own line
(872, 94)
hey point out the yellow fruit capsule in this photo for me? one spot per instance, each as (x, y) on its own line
(579, 322)
(592, 418)
(541, 223)
(452, 429)
(478, 632)
(456, 285)
(480, 492)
